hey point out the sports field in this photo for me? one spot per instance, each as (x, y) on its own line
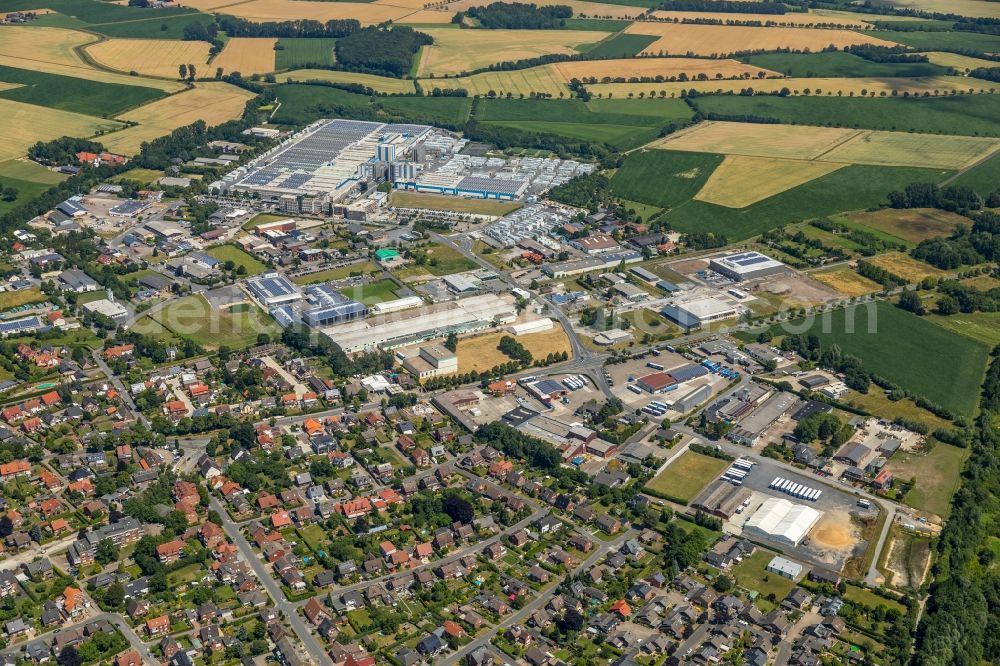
(846, 281)
(519, 82)
(382, 84)
(152, 57)
(684, 478)
(26, 124)
(741, 181)
(829, 144)
(719, 40)
(51, 50)
(819, 86)
(459, 51)
(910, 225)
(212, 102)
(403, 199)
(246, 55)
(789, 19)
(949, 377)
(480, 352)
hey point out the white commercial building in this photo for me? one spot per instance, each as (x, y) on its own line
(534, 326)
(700, 311)
(779, 520)
(747, 266)
(432, 361)
(396, 305)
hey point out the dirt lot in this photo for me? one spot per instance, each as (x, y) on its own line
(797, 290)
(481, 353)
(846, 281)
(908, 559)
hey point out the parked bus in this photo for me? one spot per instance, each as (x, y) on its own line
(654, 366)
(743, 463)
(774, 484)
(634, 388)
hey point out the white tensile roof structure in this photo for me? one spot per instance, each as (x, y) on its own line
(783, 521)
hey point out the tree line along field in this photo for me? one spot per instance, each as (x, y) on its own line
(973, 115)
(830, 87)
(938, 41)
(949, 377)
(789, 19)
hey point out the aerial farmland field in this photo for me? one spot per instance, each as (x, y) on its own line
(526, 82)
(741, 181)
(383, 84)
(789, 19)
(24, 124)
(212, 102)
(668, 68)
(246, 55)
(152, 57)
(301, 52)
(721, 40)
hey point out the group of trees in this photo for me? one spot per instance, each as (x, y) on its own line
(965, 246)
(515, 350)
(240, 27)
(381, 49)
(899, 54)
(929, 195)
(823, 427)
(517, 16)
(62, 150)
(725, 6)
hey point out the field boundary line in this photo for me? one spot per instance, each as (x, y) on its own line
(950, 179)
(850, 137)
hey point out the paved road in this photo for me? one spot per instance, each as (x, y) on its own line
(290, 610)
(118, 384)
(114, 618)
(542, 598)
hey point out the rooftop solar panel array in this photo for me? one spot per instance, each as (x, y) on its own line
(19, 325)
(749, 259)
(478, 184)
(295, 180)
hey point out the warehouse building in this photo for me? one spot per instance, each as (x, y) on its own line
(747, 266)
(397, 305)
(754, 426)
(784, 567)
(433, 321)
(692, 399)
(329, 306)
(721, 498)
(272, 289)
(696, 313)
(432, 361)
(534, 326)
(656, 382)
(781, 521)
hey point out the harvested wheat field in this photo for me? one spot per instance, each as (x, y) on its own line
(428, 17)
(412, 5)
(973, 8)
(799, 142)
(846, 281)
(246, 55)
(383, 84)
(26, 124)
(905, 266)
(790, 19)
(815, 86)
(367, 13)
(458, 51)
(718, 40)
(214, 103)
(741, 181)
(542, 79)
(152, 57)
(50, 50)
(828, 144)
(608, 70)
(960, 62)
(480, 353)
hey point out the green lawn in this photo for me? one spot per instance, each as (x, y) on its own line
(623, 45)
(443, 260)
(752, 574)
(192, 317)
(847, 189)
(684, 478)
(898, 350)
(663, 178)
(376, 292)
(238, 257)
(15, 299)
(361, 268)
(865, 597)
(973, 115)
(313, 536)
(838, 63)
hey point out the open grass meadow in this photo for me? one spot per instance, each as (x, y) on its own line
(238, 257)
(938, 474)
(194, 318)
(28, 178)
(76, 94)
(375, 292)
(295, 52)
(949, 377)
(972, 115)
(421, 200)
(15, 299)
(838, 63)
(443, 260)
(752, 574)
(846, 281)
(663, 178)
(622, 45)
(909, 226)
(480, 352)
(981, 326)
(684, 478)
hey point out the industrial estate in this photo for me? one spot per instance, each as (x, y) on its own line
(642, 333)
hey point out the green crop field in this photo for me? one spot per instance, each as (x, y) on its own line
(300, 103)
(449, 111)
(663, 178)
(299, 52)
(973, 115)
(155, 27)
(599, 25)
(684, 478)
(984, 178)
(238, 257)
(950, 377)
(849, 188)
(303, 103)
(941, 41)
(981, 326)
(659, 110)
(28, 178)
(838, 63)
(621, 46)
(69, 93)
(376, 292)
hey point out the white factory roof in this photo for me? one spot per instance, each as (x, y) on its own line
(707, 307)
(748, 262)
(782, 520)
